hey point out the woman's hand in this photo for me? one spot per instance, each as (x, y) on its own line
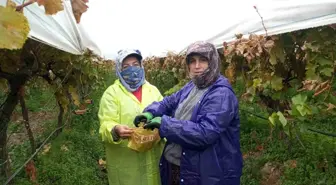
(123, 131)
(154, 123)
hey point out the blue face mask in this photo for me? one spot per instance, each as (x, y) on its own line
(133, 76)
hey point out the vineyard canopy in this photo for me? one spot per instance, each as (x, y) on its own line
(157, 27)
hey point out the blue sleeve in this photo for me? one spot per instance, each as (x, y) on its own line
(166, 106)
(215, 115)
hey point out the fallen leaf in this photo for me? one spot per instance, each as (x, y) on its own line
(102, 164)
(64, 148)
(260, 148)
(78, 8)
(31, 170)
(92, 132)
(46, 148)
(293, 163)
(331, 106)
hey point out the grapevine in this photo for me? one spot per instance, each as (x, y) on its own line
(291, 74)
(23, 61)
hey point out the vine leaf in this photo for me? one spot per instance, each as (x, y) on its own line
(278, 118)
(276, 83)
(61, 98)
(3, 85)
(51, 6)
(11, 4)
(299, 106)
(299, 99)
(78, 8)
(310, 73)
(74, 95)
(323, 61)
(327, 71)
(14, 28)
(277, 54)
(282, 119)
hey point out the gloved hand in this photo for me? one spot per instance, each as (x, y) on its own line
(144, 117)
(154, 123)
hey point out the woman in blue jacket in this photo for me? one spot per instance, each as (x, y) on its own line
(201, 124)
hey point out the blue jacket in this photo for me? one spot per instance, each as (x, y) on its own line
(210, 140)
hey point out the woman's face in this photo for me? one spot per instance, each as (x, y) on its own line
(197, 65)
(130, 61)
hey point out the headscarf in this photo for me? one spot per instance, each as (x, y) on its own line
(132, 77)
(209, 51)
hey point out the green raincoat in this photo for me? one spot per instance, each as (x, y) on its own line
(125, 166)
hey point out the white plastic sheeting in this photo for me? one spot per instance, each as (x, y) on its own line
(280, 17)
(60, 30)
(156, 27)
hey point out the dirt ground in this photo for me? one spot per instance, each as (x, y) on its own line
(36, 120)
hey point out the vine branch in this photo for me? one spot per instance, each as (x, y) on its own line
(19, 8)
(262, 19)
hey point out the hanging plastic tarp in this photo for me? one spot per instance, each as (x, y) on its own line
(59, 31)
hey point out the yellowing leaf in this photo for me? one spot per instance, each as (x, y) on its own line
(78, 8)
(11, 4)
(282, 119)
(276, 83)
(62, 100)
(14, 28)
(273, 118)
(310, 73)
(273, 59)
(303, 109)
(51, 6)
(74, 95)
(276, 54)
(257, 82)
(230, 73)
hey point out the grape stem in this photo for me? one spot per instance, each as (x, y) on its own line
(24, 4)
(262, 20)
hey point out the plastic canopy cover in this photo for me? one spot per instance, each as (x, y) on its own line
(157, 27)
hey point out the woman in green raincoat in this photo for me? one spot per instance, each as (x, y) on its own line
(120, 103)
